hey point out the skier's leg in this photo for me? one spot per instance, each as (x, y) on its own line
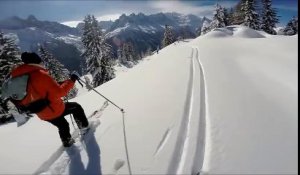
(78, 114)
(63, 128)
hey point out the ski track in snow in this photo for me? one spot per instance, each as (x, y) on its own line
(200, 145)
(182, 134)
(54, 157)
(58, 165)
(187, 127)
(162, 142)
(188, 154)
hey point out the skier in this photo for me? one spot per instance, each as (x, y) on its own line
(44, 97)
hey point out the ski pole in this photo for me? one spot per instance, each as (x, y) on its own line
(121, 109)
(125, 143)
(123, 119)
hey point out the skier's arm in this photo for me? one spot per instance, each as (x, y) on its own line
(56, 89)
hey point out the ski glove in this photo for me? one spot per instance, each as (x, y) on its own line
(74, 77)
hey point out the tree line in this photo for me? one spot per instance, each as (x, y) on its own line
(255, 14)
(250, 13)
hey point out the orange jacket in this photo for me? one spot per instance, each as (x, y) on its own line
(40, 86)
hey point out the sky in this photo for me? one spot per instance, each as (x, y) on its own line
(71, 12)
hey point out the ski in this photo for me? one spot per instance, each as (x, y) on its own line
(61, 157)
(96, 114)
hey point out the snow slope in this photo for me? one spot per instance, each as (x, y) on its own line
(213, 105)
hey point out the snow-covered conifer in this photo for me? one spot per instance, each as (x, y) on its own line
(9, 56)
(98, 54)
(129, 52)
(3, 111)
(220, 17)
(230, 17)
(56, 69)
(107, 71)
(168, 36)
(269, 17)
(88, 82)
(205, 28)
(251, 17)
(292, 27)
(238, 15)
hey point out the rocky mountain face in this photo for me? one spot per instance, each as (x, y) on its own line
(146, 32)
(143, 31)
(16, 23)
(62, 41)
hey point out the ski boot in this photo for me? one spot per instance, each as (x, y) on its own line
(69, 142)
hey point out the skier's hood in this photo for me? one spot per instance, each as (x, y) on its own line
(26, 68)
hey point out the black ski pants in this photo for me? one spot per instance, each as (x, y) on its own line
(63, 126)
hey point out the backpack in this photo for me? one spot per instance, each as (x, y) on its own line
(15, 89)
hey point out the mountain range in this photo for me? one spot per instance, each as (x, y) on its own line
(64, 42)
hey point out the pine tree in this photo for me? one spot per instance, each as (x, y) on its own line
(230, 18)
(9, 56)
(168, 36)
(129, 52)
(107, 71)
(88, 83)
(204, 28)
(98, 54)
(292, 27)
(56, 70)
(226, 16)
(269, 17)
(238, 15)
(251, 17)
(220, 17)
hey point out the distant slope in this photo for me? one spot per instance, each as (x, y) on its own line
(62, 41)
